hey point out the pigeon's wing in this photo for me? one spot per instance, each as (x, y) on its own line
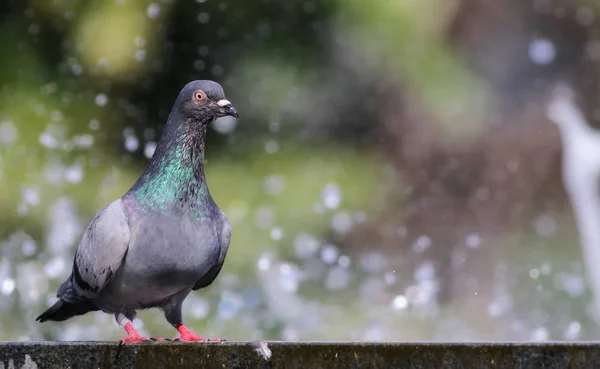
(213, 272)
(100, 254)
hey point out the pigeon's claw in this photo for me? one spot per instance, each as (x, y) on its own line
(186, 335)
(132, 335)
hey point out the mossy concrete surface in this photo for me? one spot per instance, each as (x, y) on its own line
(289, 355)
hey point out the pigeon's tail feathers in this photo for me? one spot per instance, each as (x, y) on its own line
(63, 310)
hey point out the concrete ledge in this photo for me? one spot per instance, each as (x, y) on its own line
(289, 355)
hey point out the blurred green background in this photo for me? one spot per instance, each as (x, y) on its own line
(392, 176)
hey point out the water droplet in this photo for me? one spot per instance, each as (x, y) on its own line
(200, 308)
(264, 30)
(131, 143)
(289, 333)
(140, 42)
(34, 29)
(64, 227)
(425, 272)
(318, 208)
(30, 282)
(140, 55)
(102, 63)
(101, 99)
(373, 262)
(29, 247)
(265, 217)
(8, 132)
(483, 194)
(573, 331)
(83, 141)
(271, 147)
(534, 273)
(337, 278)
(8, 286)
(473, 240)
(229, 306)
(542, 51)
(22, 210)
(373, 333)
(400, 302)
(331, 196)
(199, 65)
(264, 263)
(276, 234)
(592, 49)
(48, 140)
(149, 134)
(289, 277)
(203, 17)
(329, 254)
(57, 115)
(274, 126)
(422, 294)
(274, 184)
(153, 10)
(225, 124)
(55, 267)
(74, 174)
(390, 277)
(585, 16)
(94, 124)
(149, 149)
(540, 334)
(372, 289)
(49, 88)
(30, 195)
(217, 70)
(344, 261)
(203, 50)
(571, 283)
(546, 268)
(545, 226)
(76, 69)
(360, 217)
(342, 222)
(305, 245)
(421, 244)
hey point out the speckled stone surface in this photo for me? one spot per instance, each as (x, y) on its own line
(289, 355)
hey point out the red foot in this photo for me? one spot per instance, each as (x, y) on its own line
(132, 335)
(186, 335)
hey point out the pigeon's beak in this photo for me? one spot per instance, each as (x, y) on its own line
(225, 108)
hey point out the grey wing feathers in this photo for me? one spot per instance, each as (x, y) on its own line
(225, 237)
(210, 276)
(101, 251)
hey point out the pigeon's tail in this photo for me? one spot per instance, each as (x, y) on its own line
(63, 310)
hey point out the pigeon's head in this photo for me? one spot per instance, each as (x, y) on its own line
(204, 100)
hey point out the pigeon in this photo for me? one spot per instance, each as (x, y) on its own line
(161, 240)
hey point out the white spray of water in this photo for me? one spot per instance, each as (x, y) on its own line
(581, 168)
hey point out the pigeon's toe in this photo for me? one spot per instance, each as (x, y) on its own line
(134, 339)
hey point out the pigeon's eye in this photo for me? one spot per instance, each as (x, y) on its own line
(199, 96)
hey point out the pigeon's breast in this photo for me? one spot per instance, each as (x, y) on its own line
(165, 257)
